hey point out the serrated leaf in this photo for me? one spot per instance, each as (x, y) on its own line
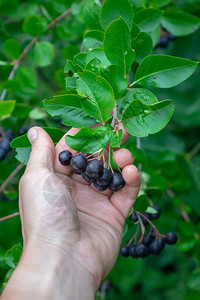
(93, 39)
(69, 106)
(99, 54)
(141, 120)
(90, 140)
(100, 96)
(110, 12)
(142, 45)
(117, 45)
(148, 18)
(164, 71)
(80, 60)
(115, 76)
(141, 204)
(117, 139)
(21, 111)
(180, 23)
(94, 66)
(44, 53)
(7, 107)
(91, 12)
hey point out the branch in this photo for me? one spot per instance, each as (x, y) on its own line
(10, 177)
(9, 216)
(17, 62)
(114, 119)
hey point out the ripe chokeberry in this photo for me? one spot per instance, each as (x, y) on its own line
(124, 251)
(117, 182)
(133, 217)
(87, 177)
(171, 238)
(161, 241)
(155, 248)
(100, 187)
(105, 178)
(146, 240)
(65, 157)
(78, 163)
(132, 251)
(95, 168)
(142, 250)
(5, 144)
(154, 216)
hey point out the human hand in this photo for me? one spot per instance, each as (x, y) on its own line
(69, 219)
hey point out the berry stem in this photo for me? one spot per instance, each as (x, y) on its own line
(9, 216)
(134, 236)
(10, 177)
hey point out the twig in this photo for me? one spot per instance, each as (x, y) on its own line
(134, 236)
(114, 118)
(10, 177)
(194, 151)
(9, 216)
(17, 62)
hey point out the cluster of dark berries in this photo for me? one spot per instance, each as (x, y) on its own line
(92, 171)
(149, 216)
(165, 39)
(5, 138)
(151, 244)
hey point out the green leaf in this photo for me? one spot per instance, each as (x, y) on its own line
(69, 106)
(142, 45)
(180, 23)
(100, 54)
(12, 48)
(164, 71)
(115, 76)
(70, 51)
(13, 255)
(111, 161)
(148, 19)
(37, 114)
(23, 146)
(94, 66)
(161, 3)
(111, 11)
(80, 60)
(151, 210)
(21, 111)
(186, 246)
(117, 139)
(142, 120)
(90, 140)
(43, 53)
(125, 230)
(117, 45)
(100, 96)
(141, 203)
(6, 107)
(34, 25)
(91, 12)
(93, 39)
(28, 79)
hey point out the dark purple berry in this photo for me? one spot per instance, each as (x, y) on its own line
(5, 144)
(144, 220)
(9, 134)
(95, 168)
(117, 182)
(100, 187)
(23, 130)
(142, 250)
(78, 163)
(87, 177)
(132, 251)
(161, 241)
(133, 217)
(105, 178)
(155, 248)
(65, 157)
(124, 251)
(2, 154)
(156, 215)
(146, 240)
(171, 238)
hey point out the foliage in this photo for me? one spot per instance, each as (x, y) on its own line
(111, 54)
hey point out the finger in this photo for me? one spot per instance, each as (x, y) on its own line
(124, 199)
(43, 152)
(60, 147)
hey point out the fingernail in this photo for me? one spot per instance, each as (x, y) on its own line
(32, 135)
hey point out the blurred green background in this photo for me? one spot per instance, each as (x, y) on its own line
(171, 158)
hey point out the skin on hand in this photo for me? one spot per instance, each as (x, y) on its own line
(64, 216)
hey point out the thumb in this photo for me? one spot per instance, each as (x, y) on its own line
(42, 153)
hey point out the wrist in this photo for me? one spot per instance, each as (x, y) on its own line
(50, 273)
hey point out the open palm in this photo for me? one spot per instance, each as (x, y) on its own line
(71, 214)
